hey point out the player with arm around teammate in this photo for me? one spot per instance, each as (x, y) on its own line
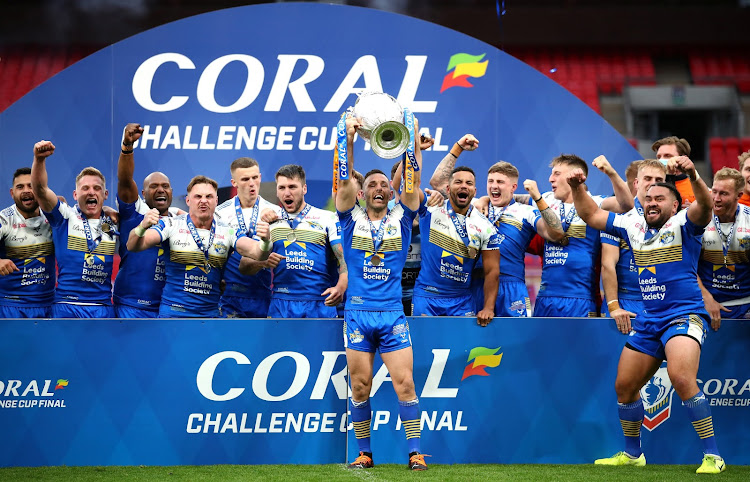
(198, 244)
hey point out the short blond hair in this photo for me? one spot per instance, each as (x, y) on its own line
(91, 171)
(742, 158)
(733, 175)
(503, 167)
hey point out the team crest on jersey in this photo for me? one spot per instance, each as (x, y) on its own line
(657, 398)
(391, 230)
(475, 240)
(315, 225)
(356, 336)
(667, 237)
(518, 306)
(220, 249)
(744, 243)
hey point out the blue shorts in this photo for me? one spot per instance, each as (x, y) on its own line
(556, 307)
(739, 312)
(169, 311)
(512, 299)
(455, 306)
(372, 331)
(300, 309)
(66, 310)
(654, 336)
(125, 311)
(25, 311)
(238, 307)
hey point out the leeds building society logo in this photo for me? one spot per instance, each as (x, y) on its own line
(483, 358)
(657, 398)
(461, 67)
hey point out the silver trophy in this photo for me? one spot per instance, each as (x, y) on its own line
(382, 124)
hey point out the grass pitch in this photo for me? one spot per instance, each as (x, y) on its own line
(286, 473)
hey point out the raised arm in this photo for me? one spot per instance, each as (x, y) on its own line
(127, 189)
(585, 205)
(141, 237)
(46, 198)
(411, 199)
(251, 248)
(623, 200)
(549, 227)
(442, 173)
(699, 212)
(346, 196)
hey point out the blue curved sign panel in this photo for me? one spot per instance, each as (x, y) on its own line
(270, 81)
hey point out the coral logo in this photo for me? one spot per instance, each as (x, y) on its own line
(61, 384)
(461, 67)
(657, 398)
(483, 358)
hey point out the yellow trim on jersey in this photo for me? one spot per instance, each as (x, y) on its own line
(365, 244)
(576, 231)
(448, 244)
(190, 258)
(505, 219)
(79, 244)
(717, 256)
(30, 251)
(650, 257)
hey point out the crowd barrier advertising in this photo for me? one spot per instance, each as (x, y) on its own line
(271, 81)
(178, 392)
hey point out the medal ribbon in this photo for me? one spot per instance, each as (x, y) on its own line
(293, 223)
(460, 225)
(91, 242)
(566, 220)
(197, 237)
(241, 218)
(377, 236)
(638, 206)
(409, 123)
(496, 217)
(341, 146)
(725, 240)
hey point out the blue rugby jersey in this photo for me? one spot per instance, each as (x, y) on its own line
(569, 271)
(240, 285)
(304, 273)
(375, 287)
(80, 281)
(140, 280)
(446, 264)
(625, 269)
(667, 262)
(28, 242)
(190, 284)
(515, 226)
(729, 279)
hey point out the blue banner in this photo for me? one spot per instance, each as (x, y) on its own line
(212, 88)
(185, 392)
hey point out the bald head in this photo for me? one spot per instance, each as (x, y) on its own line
(157, 192)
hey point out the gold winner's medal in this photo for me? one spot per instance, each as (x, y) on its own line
(207, 268)
(291, 237)
(472, 253)
(564, 241)
(105, 227)
(89, 259)
(375, 260)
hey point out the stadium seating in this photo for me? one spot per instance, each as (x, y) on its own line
(588, 72)
(23, 68)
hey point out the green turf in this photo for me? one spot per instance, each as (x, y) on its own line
(288, 473)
